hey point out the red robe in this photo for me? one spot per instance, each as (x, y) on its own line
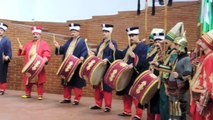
(43, 50)
(205, 80)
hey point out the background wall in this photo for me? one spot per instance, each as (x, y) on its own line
(186, 12)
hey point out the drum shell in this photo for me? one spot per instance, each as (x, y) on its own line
(118, 75)
(144, 87)
(68, 67)
(33, 66)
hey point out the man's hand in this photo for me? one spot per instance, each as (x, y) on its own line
(175, 74)
(6, 58)
(45, 59)
(130, 66)
(90, 53)
(197, 88)
(105, 61)
(56, 44)
(82, 59)
(154, 64)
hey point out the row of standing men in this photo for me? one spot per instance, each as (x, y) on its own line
(173, 69)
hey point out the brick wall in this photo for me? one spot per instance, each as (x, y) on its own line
(91, 29)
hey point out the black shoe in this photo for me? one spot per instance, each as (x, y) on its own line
(135, 118)
(95, 107)
(75, 103)
(1, 92)
(65, 101)
(124, 115)
(107, 110)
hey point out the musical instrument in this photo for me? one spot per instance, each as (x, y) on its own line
(33, 66)
(68, 67)
(118, 75)
(144, 87)
(93, 70)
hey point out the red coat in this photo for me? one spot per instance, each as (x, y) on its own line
(205, 80)
(43, 50)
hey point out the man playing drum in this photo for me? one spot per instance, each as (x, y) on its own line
(5, 56)
(202, 109)
(74, 46)
(154, 54)
(102, 90)
(168, 62)
(37, 46)
(135, 56)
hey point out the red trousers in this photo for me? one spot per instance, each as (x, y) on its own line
(100, 95)
(68, 91)
(127, 100)
(3, 86)
(40, 88)
(197, 116)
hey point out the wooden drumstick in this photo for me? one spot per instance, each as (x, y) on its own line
(146, 12)
(89, 51)
(86, 44)
(18, 41)
(20, 45)
(54, 38)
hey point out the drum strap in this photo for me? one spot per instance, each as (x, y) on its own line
(152, 52)
(101, 49)
(131, 48)
(34, 48)
(72, 46)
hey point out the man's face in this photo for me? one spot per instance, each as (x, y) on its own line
(202, 45)
(106, 34)
(166, 42)
(178, 48)
(134, 38)
(1, 32)
(36, 36)
(74, 33)
(158, 45)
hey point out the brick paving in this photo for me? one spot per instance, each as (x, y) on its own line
(13, 107)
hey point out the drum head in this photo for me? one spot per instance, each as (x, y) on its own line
(98, 73)
(124, 79)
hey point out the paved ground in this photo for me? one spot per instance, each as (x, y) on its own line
(15, 108)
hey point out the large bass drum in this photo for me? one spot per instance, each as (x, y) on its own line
(144, 87)
(93, 70)
(118, 75)
(33, 66)
(68, 67)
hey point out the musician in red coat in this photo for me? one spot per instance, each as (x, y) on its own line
(40, 47)
(202, 109)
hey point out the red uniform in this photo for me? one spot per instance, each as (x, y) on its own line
(203, 109)
(43, 50)
(205, 80)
